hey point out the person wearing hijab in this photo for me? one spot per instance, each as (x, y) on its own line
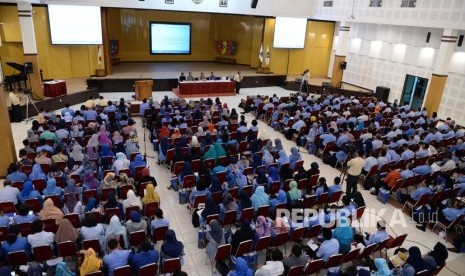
(121, 163)
(91, 263)
(382, 269)
(93, 206)
(164, 132)
(227, 205)
(414, 261)
(437, 257)
(132, 200)
(29, 192)
(267, 158)
(130, 146)
(91, 153)
(37, 173)
(244, 201)
(171, 247)
(268, 146)
(261, 179)
(90, 183)
(106, 151)
(210, 154)
(294, 157)
(163, 148)
(215, 238)
(220, 152)
(294, 193)
(344, 234)
(185, 172)
(216, 185)
(272, 176)
(66, 232)
(112, 202)
(73, 205)
(256, 162)
(76, 155)
(63, 270)
(108, 181)
(116, 229)
(52, 189)
(281, 198)
(136, 223)
(76, 132)
(150, 195)
(49, 211)
(117, 138)
(138, 162)
(176, 135)
(278, 145)
(93, 142)
(211, 208)
(241, 268)
(314, 169)
(262, 228)
(260, 198)
(243, 234)
(283, 158)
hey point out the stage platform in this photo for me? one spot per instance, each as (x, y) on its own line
(165, 75)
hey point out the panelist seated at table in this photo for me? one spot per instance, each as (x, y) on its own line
(212, 76)
(202, 77)
(182, 77)
(190, 77)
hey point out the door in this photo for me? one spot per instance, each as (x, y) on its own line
(414, 91)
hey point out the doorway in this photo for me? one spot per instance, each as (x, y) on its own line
(414, 91)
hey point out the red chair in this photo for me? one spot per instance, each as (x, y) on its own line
(274, 187)
(312, 181)
(88, 194)
(150, 209)
(244, 248)
(150, 269)
(396, 242)
(314, 231)
(335, 260)
(122, 271)
(18, 185)
(247, 214)
(123, 191)
(424, 199)
(76, 178)
(448, 225)
(196, 165)
(313, 267)
(171, 266)
(221, 176)
(199, 199)
(18, 258)
(74, 219)
(188, 182)
(295, 271)
(309, 201)
(352, 255)
(25, 228)
(263, 211)
(61, 165)
(67, 249)
(138, 173)
(222, 253)
(262, 243)
(125, 171)
(229, 218)
(45, 168)
(136, 238)
(106, 192)
(3, 234)
(159, 233)
(27, 169)
(358, 215)
(50, 225)
(297, 234)
(280, 239)
(335, 197)
(42, 253)
(322, 199)
(56, 200)
(7, 207)
(128, 211)
(178, 167)
(110, 212)
(367, 251)
(34, 205)
(94, 244)
(423, 273)
(212, 217)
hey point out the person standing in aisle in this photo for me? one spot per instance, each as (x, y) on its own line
(238, 79)
(305, 78)
(354, 169)
(15, 110)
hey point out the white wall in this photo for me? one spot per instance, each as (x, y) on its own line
(428, 13)
(376, 57)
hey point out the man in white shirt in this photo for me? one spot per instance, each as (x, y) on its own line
(238, 79)
(274, 267)
(40, 237)
(15, 110)
(306, 76)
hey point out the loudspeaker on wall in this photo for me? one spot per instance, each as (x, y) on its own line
(28, 68)
(253, 4)
(344, 65)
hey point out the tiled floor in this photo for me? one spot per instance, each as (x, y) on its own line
(180, 217)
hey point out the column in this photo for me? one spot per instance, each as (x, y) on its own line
(441, 68)
(106, 43)
(30, 47)
(340, 57)
(6, 137)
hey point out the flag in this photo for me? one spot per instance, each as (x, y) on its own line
(99, 56)
(260, 54)
(267, 59)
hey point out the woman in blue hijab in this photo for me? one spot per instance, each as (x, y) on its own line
(106, 151)
(29, 192)
(52, 189)
(241, 268)
(185, 171)
(91, 205)
(260, 198)
(272, 176)
(138, 162)
(281, 198)
(37, 173)
(256, 162)
(163, 148)
(294, 157)
(172, 248)
(283, 158)
(261, 179)
(216, 185)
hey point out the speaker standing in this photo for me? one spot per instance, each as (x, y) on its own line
(15, 110)
(238, 79)
(305, 78)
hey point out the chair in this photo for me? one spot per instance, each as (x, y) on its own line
(358, 215)
(212, 217)
(313, 267)
(297, 234)
(42, 253)
(97, 273)
(106, 192)
(170, 266)
(136, 238)
(50, 225)
(335, 197)
(280, 239)
(295, 271)
(222, 253)
(7, 207)
(74, 219)
(18, 185)
(244, 248)
(34, 205)
(56, 200)
(25, 228)
(67, 249)
(112, 212)
(150, 269)
(88, 194)
(247, 214)
(18, 258)
(334, 260)
(217, 197)
(351, 256)
(448, 225)
(199, 199)
(150, 209)
(263, 211)
(312, 181)
(123, 191)
(367, 251)
(159, 233)
(309, 201)
(128, 211)
(396, 242)
(39, 184)
(3, 234)
(322, 199)
(314, 231)
(122, 271)
(274, 187)
(229, 218)
(420, 202)
(262, 243)
(94, 244)
(188, 182)
(178, 167)
(382, 245)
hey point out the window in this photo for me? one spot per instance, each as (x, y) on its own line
(328, 3)
(408, 4)
(376, 3)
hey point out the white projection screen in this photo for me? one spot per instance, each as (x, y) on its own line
(289, 32)
(75, 25)
(168, 38)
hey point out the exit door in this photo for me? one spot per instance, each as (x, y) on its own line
(414, 91)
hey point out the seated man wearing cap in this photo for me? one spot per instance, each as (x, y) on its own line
(379, 236)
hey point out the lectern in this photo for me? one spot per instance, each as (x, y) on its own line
(143, 89)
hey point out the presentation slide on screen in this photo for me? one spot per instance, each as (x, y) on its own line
(75, 24)
(290, 32)
(167, 38)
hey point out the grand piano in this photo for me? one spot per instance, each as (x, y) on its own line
(17, 81)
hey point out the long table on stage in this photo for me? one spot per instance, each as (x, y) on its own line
(54, 88)
(219, 87)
